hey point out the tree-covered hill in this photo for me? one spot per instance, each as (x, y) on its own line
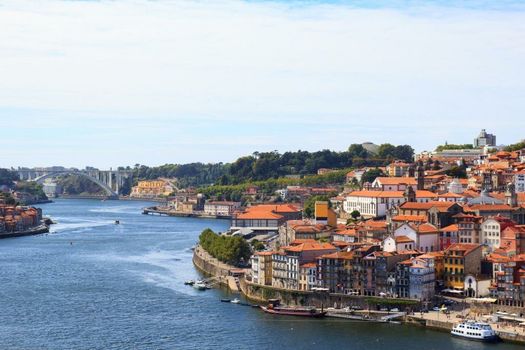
(273, 165)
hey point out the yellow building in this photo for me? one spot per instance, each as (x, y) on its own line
(324, 214)
(151, 188)
(461, 259)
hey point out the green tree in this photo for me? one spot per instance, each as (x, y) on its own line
(232, 250)
(457, 171)
(371, 175)
(355, 214)
(8, 177)
(309, 204)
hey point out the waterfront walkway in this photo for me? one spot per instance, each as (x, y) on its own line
(505, 330)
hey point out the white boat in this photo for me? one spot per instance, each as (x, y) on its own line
(474, 331)
(199, 285)
(235, 301)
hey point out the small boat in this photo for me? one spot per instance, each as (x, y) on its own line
(199, 285)
(225, 301)
(473, 330)
(117, 222)
(189, 283)
(275, 308)
(235, 301)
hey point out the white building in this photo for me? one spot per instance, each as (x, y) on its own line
(397, 244)
(490, 231)
(394, 183)
(422, 279)
(221, 208)
(456, 187)
(377, 203)
(372, 203)
(425, 236)
(519, 181)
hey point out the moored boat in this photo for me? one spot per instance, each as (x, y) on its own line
(199, 285)
(473, 330)
(275, 308)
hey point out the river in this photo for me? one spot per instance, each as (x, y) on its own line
(96, 285)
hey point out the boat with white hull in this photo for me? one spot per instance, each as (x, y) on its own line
(473, 330)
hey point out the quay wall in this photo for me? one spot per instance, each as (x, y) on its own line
(211, 266)
(259, 293)
(34, 231)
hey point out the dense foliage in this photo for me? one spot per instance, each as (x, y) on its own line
(8, 177)
(273, 165)
(452, 146)
(515, 147)
(192, 174)
(33, 188)
(457, 171)
(231, 250)
(269, 186)
(74, 184)
(309, 204)
(371, 175)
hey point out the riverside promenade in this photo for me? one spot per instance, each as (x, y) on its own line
(441, 321)
(223, 274)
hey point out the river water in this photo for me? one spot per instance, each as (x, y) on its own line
(96, 285)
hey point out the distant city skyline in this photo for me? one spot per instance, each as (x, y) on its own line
(106, 84)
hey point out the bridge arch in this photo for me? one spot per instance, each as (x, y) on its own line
(101, 184)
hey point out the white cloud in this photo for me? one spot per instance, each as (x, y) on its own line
(383, 74)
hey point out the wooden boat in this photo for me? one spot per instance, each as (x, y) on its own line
(275, 308)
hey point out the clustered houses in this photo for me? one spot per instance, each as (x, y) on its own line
(14, 219)
(420, 232)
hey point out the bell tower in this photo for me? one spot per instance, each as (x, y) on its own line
(420, 178)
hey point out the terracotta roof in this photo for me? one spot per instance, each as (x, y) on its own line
(347, 232)
(403, 239)
(450, 228)
(450, 195)
(376, 194)
(308, 265)
(259, 214)
(497, 258)
(464, 247)
(416, 218)
(432, 255)
(374, 224)
(279, 208)
(441, 205)
(396, 180)
(338, 255)
(309, 246)
(426, 229)
(491, 207)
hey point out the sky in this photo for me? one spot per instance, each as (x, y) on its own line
(108, 83)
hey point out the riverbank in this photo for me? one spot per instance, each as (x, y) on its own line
(369, 306)
(33, 231)
(170, 212)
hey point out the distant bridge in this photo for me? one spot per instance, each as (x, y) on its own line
(111, 181)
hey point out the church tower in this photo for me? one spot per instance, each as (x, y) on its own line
(511, 197)
(409, 194)
(420, 178)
